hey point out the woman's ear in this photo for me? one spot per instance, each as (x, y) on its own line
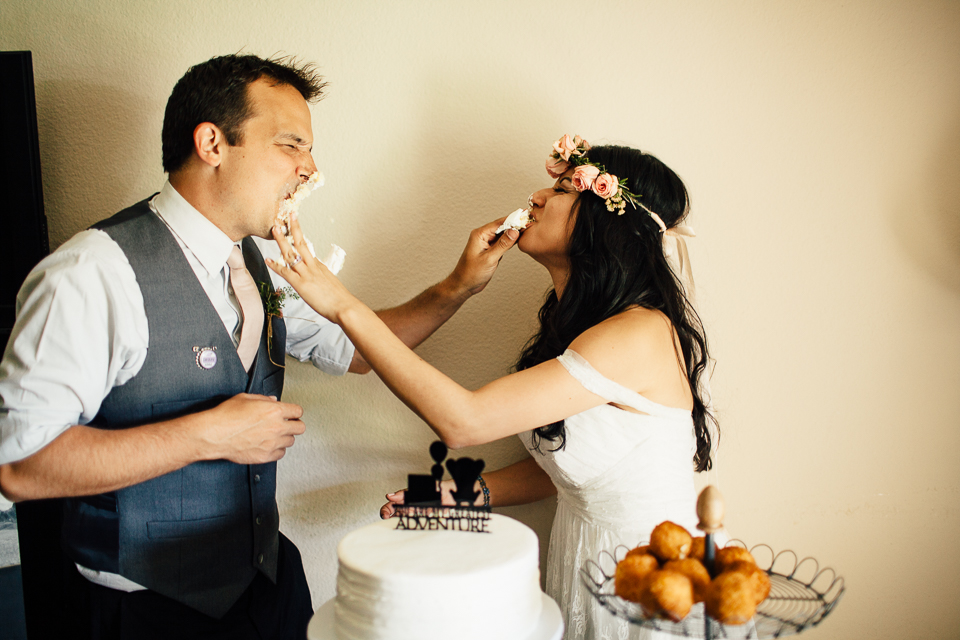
(207, 142)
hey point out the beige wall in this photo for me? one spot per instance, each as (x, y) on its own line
(820, 142)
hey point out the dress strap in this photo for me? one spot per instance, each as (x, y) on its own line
(595, 382)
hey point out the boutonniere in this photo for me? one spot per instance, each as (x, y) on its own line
(273, 300)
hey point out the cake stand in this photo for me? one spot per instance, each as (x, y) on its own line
(801, 594)
(549, 626)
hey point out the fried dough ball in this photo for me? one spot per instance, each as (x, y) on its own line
(731, 598)
(639, 551)
(669, 541)
(695, 572)
(630, 573)
(666, 594)
(759, 579)
(727, 556)
(698, 547)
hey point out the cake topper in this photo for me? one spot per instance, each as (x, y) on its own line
(465, 472)
(424, 490)
(423, 506)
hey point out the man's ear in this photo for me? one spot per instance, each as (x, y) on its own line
(208, 142)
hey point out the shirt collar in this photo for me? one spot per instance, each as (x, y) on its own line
(208, 243)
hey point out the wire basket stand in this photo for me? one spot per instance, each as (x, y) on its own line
(801, 593)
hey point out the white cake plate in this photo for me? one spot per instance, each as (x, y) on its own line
(549, 626)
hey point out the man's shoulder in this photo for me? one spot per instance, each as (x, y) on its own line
(90, 245)
(127, 214)
(88, 258)
(89, 273)
(94, 243)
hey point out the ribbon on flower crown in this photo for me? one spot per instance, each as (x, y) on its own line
(678, 257)
(675, 251)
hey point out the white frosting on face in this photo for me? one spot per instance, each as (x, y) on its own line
(436, 585)
(519, 220)
(290, 205)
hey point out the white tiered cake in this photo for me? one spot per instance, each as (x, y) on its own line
(435, 584)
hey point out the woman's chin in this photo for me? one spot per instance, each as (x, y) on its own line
(523, 244)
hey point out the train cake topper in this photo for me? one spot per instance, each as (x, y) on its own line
(423, 507)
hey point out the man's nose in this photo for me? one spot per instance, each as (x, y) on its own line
(308, 167)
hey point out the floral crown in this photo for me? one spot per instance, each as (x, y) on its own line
(590, 176)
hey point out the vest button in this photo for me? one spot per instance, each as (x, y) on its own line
(256, 478)
(260, 558)
(259, 519)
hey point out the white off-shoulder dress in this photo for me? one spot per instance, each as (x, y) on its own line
(619, 475)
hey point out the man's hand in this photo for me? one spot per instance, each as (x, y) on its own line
(83, 460)
(251, 429)
(480, 258)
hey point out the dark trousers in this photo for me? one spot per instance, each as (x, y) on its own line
(265, 611)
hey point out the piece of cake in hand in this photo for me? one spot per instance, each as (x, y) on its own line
(334, 259)
(291, 205)
(519, 220)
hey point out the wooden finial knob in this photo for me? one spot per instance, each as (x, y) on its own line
(710, 510)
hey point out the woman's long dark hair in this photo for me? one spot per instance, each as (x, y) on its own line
(616, 262)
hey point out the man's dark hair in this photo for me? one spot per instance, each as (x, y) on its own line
(216, 91)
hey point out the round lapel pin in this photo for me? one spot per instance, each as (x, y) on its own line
(206, 357)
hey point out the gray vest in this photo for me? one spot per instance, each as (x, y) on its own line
(199, 534)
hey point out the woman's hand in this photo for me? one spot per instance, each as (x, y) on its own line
(309, 277)
(390, 509)
(396, 498)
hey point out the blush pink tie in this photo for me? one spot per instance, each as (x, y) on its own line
(250, 306)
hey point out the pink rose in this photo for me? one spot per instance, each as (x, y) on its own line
(564, 147)
(606, 185)
(584, 177)
(580, 142)
(556, 166)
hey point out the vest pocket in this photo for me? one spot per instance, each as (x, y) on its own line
(273, 384)
(161, 529)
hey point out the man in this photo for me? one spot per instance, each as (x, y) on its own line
(142, 384)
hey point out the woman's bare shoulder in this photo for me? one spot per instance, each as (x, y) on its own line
(629, 346)
(637, 327)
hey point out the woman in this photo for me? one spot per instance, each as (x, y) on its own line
(607, 396)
